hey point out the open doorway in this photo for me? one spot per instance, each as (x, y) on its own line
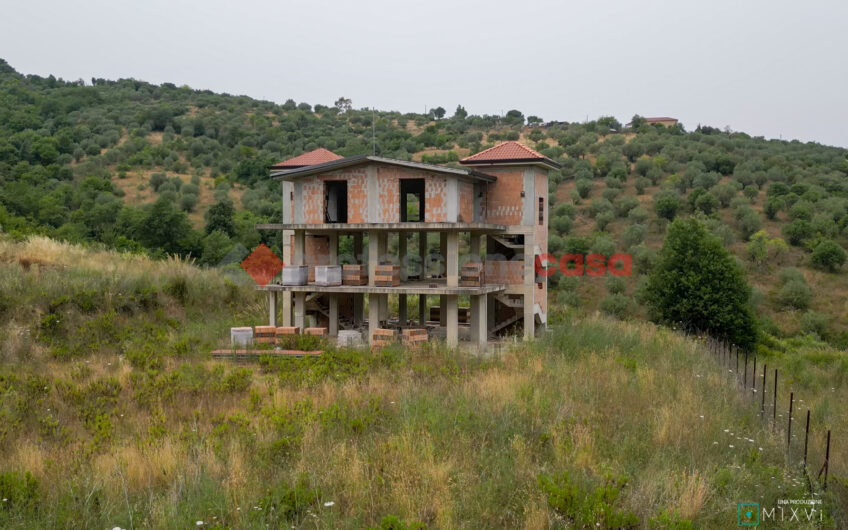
(335, 201)
(412, 201)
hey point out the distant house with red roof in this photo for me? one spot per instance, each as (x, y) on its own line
(318, 156)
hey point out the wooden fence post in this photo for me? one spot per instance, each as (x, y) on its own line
(774, 406)
(789, 428)
(806, 441)
(763, 392)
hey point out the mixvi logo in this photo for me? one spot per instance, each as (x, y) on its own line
(786, 510)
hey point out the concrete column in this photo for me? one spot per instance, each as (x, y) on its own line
(373, 257)
(529, 321)
(373, 315)
(334, 315)
(479, 320)
(358, 298)
(402, 309)
(452, 314)
(382, 250)
(299, 255)
(422, 253)
(476, 246)
(287, 258)
(422, 309)
(529, 285)
(490, 310)
(452, 260)
(272, 308)
(443, 300)
(333, 243)
(300, 310)
(404, 273)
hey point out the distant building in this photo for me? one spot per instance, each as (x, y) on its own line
(664, 121)
(495, 204)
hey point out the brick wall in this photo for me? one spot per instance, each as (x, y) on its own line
(435, 199)
(313, 200)
(504, 203)
(466, 202)
(505, 272)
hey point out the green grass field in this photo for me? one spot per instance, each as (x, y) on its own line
(114, 415)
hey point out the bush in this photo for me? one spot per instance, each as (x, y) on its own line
(615, 284)
(666, 204)
(603, 219)
(797, 231)
(795, 294)
(584, 187)
(815, 323)
(828, 256)
(633, 235)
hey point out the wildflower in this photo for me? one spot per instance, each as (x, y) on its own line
(199, 523)
(731, 446)
(329, 503)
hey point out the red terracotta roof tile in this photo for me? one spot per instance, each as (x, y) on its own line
(505, 152)
(318, 156)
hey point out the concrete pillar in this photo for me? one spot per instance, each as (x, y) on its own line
(334, 315)
(404, 273)
(300, 310)
(529, 285)
(299, 256)
(490, 310)
(529, 321)
(476, 246)
(402, 309)
(333, 243)
(373, 257)
(452, 259)
(287, 256)
(272, 308)
(422, 253)
(443, 252)
(452, 314)
(358, 298)
(373, 315)
(479, 320)
(422, 309)
(382, 251)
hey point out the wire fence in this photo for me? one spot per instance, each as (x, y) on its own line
(759, 384)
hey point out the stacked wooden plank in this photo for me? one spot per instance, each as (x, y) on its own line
(354, 275)
(382, 337)
(472, 275)
(264, 334)
(414, 337)
(387, 275)
(318, 332)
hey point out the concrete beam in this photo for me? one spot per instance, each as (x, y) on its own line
(452, 314)
(422, 253)
(373, 256)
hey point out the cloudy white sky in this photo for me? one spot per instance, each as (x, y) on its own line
(767, 67)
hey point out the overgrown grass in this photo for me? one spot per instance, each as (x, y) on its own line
(131, 425)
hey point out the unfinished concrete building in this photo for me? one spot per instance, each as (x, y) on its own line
(416, 230)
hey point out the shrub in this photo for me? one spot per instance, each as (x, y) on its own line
(797, 231)
(666, 204)
(615, 284)
(584, 187)
(795, 294)
(633, 235)
(828, 256)
(815, 323)
(603, 219)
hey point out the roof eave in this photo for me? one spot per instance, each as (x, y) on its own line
(514, 162)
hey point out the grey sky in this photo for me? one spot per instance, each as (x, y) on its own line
(766, 67)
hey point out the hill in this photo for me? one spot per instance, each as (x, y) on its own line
(138, 167)
(113, 415)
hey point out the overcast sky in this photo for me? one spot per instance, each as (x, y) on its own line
(767, 67)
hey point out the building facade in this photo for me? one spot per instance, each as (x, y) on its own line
(433, 223)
